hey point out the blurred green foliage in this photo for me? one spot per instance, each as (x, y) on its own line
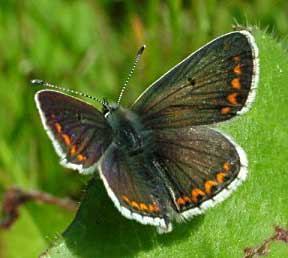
(90, 46)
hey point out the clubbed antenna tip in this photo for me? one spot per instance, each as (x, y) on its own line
(37, 82)
(141, 50)
(138, 56)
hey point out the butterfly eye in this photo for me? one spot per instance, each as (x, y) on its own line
(105, 110)
(108, 108)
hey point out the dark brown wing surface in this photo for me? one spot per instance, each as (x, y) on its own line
(136, 189)
(79, 132)
(202, 167)
(211, 85)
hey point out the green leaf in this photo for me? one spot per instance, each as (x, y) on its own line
(15, 240)
(244, 220)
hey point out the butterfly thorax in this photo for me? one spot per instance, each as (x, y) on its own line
(128, 132)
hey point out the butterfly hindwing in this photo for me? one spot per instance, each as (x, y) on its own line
(134, 186)
(79, 132)
(212, 85)
(202, 166)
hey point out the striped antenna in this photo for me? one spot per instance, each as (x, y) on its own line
(138, 56)
(48, 85)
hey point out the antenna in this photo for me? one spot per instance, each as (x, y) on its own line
(48, 85)
(138, 56)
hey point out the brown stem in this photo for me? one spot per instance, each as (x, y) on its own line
(280, 234)
(15, 197)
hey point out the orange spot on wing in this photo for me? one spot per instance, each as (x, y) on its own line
(232, 98)
(225, 110)
(66, 139)
(58, 127)
(196, 193)
(73, 150)
(135, 205)
(237, 69)
(155, 207)
(81, 157)
(208, 186)
(125, 199)
(186, 199)
(140, 206)
(143, 206)
(226, 166)
(236, 83)
(220, 177)
(181, 201)
(236, 58)
(151, 208)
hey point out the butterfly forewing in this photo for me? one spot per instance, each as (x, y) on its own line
(79, 132)
(200, 164)
(211, 85)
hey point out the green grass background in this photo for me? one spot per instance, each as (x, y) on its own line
(90, 46)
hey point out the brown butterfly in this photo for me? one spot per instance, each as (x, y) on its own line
(157, 159)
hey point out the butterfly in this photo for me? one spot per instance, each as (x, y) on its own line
(158, 159)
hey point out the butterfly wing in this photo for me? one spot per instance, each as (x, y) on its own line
(202, 167)
(79, 132)
(211, 85)
(136, 189)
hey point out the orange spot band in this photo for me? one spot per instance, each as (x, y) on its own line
(236, 58)
(140, 206)
(236, 84)
(135, 205)
(208, 186)
(220, 177)
(73, 150)
(237, 69)
(58, 127)
(226, 166)
(232, 98)
(143, 206)
(151, 208)
(125, 199)
(196, 193)
(81, 157)
(186, 199)
(66, 139)
(181, 201)
(225, 110)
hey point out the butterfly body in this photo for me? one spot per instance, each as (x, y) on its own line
(135, 146)
(129, 133)
(158, 159)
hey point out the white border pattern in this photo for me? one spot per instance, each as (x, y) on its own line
(256, 70)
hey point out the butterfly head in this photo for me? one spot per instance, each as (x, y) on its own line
(109, 108)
